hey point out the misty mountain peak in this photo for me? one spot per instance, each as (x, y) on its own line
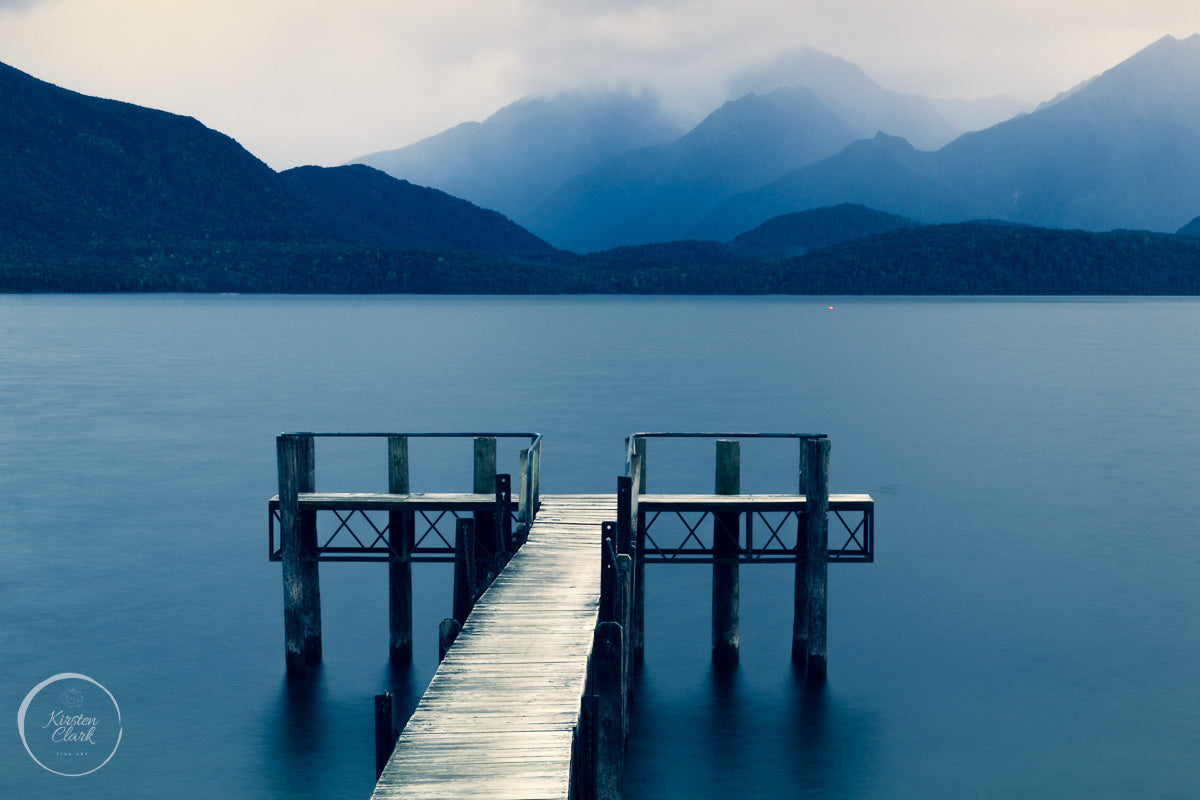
(850, 92)
(518, 155)
(803, 66)
(1159, 75)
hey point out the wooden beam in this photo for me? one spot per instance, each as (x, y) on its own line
(637, 625)
(610, 722)
(401, 526)
(812, 565)
(298, 544)
(465, 586)
(487, 546)
(385, 731)
(725, 578)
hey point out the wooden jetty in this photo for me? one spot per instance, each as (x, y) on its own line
(499, 718)
(530, 699)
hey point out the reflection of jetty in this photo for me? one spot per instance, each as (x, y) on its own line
(531, 696)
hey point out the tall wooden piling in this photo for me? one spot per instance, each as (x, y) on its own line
(465, 581)
(524, 512)
(812, 564)
(637, 632)
(401, 526)
(486, 538)
(307, 461)
(385, 731)
(609, 739)
(725, 578)
(609, 668)
(502, 519)
(298, 544)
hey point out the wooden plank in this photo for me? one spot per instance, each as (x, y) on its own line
(382, 501)
(498, 717)
(465, 501)
(726, 580)
(759, 502)
(401, 524)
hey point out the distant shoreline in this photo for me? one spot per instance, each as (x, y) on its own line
(962, 259)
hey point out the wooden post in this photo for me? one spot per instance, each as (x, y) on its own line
(298, 542)
(812, 565)
(503, 517)
(637, 633)
(486, 547)
(610, 725)
(609, 605)
(385, 731)
(536, 455)
(524, 495)
(447, 632)
(725, 586)
(464, 570)
(625, 532)
(624, 536)
(307, 462)
(583, 746)
(624, 615)
(401, 526)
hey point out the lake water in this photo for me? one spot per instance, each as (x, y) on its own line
(1029, 628)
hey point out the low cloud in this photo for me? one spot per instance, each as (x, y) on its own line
(325, 83)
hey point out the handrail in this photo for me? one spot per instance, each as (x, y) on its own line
(530, 478)
(629, 440)
(530, 484)
(421, 434)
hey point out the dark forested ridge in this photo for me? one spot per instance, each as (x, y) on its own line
(100, 196)
(964, 258)
(359, 205)
(103, 195)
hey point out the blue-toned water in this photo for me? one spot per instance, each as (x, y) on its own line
(1029, 628)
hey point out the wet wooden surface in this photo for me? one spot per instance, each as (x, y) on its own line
(498, 718)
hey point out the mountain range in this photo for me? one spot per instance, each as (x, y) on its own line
(518, 156)
(1121, 151)
(85, 179)
(811, 130)
(99, 195)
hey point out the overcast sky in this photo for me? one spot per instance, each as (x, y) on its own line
(300, 82)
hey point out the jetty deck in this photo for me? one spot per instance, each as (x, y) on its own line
(537, 662)
(499, 717)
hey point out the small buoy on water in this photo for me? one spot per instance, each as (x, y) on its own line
(831, 308)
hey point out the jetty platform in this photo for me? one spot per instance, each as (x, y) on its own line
(499, 718)
(530, 699)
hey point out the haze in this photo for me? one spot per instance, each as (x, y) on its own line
(321, 83)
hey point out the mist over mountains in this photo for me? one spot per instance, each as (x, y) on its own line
(100, 195)
(518, 156)
(812, 130)
(1121, 151)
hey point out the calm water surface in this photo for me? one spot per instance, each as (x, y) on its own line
(1028, 629)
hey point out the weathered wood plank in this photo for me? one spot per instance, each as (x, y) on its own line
(381, 501)
(760, 502)
(498, 718)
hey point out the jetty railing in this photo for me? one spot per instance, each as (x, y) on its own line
(395, 538)
(545, 593)
(796, 532)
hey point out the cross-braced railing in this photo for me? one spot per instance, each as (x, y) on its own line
(363, 524)
(398, 526)
(372, 540)
(675, 529)
(746, 528)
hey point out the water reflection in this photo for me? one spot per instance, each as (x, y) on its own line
(318, 737)
(737, 735)
(406, 687)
